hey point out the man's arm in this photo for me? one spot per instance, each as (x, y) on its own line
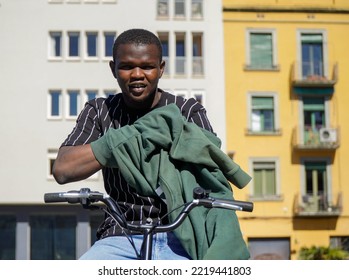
(75, 163)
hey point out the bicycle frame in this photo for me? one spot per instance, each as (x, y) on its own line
(201, 197)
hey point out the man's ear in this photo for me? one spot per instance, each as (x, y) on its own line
(162, 67)
(112, 67)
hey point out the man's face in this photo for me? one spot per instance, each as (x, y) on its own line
(138, 69)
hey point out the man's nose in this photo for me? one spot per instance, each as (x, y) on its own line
(137, 72)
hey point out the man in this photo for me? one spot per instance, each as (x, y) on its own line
(137, 65)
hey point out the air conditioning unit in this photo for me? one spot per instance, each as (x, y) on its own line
(328, 135)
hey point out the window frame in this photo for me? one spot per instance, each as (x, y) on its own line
(49, 104)
(68, 104)
(104, 48)
(273, 33)
(323, 32)
(303, 162)
(86, 45)
(275, 97)
(262, 160)
(52, 45)
(76, 34)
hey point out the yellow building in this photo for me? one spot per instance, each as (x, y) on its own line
(287, 97)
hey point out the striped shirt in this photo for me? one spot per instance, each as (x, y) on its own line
(95, 119)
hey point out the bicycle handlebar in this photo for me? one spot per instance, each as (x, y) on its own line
(201, 198)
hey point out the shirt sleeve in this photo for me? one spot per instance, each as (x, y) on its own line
(87, 128)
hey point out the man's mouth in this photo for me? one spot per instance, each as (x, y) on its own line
(137, 88)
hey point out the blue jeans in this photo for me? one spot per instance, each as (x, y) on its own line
(165, 247)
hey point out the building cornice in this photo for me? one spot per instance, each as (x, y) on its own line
(267, 9)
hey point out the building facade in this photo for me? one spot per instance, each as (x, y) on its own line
(286, 65)
(54, 56)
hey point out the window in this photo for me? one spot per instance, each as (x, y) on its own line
(109, 38)
(91, 44)
(262, 114)
(180, 54)
(54, 110)
(269, 248)
(316, 185)
(265, 184)
(312, 55)
(196, 9)
(341, 242)
(199, 96)
(7, 237)
(51, 157)
(74, 44)
(198, 67)
(182, 93)
(314, 119)
(264, 179)
(108, 93)
(179, 8)
(263, 117)
(165, 51)
(53, 237)
(91, 94)
(55, 44)
(73, 103)
(261, 50)
(163, 8)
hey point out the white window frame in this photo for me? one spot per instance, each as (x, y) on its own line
(105, 33)
(276, 162)
(67, 104)
(49, 105)
(275, 97)
(86, 56)
(165, 2)
(197, 17)
(273, 33)
(51, 46)
(78, 57)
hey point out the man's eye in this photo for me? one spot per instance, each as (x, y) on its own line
(125, 67)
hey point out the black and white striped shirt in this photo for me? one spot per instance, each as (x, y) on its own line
(101, 114)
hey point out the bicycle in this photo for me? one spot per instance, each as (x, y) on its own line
(201, 197)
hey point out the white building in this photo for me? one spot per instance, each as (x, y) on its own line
(54, 56)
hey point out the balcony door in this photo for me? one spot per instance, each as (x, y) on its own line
(312, 56)
(316, 186)
(314, 119)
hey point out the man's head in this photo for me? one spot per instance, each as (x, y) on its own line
(137, 37)
(137, 65)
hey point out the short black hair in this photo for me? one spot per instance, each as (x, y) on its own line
(137, 36)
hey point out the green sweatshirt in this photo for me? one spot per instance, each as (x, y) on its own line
(162, 148)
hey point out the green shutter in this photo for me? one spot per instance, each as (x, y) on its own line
(262, 103)
(261, 50)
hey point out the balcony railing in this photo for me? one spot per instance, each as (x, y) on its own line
(318, 205)
(314, 74)
(323, 138)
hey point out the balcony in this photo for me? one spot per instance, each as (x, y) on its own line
(325, 138)
(315, 78)
(318, 205)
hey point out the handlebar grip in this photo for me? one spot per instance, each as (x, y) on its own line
(54, 197)
(70, 197)
(233, 204)
(245, 205)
